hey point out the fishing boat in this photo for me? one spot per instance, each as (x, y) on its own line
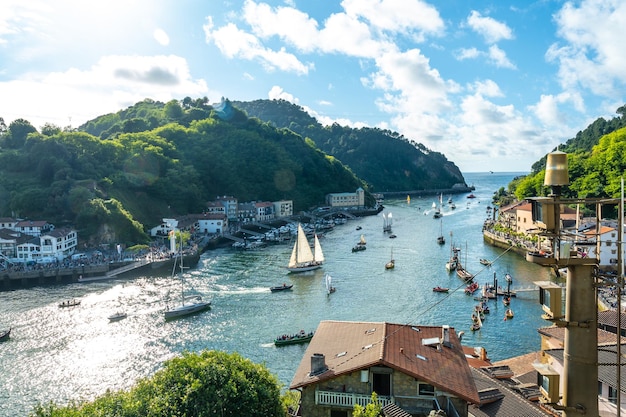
(508, 314)
(5, 334)
(300, 337)
(329, 286)
(69, 303)
(392, 263)
(302, 258)
(188, 305)
(440, 289)
(476, 322)
(117, 316)
(283, 287)
(485, 262)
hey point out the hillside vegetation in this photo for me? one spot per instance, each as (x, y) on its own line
(596, 160)
(119, 174)
(386, 160)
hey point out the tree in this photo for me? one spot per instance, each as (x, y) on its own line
(18, 131)
(210, 383)
(373, 409)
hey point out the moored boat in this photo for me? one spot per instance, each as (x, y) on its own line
(300, 337)
(509, 314)
(440, 289)
(485, 262)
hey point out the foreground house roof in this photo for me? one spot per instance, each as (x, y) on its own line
(417, 351)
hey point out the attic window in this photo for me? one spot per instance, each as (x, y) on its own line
(370, 331)
(340, 354)
(367, 346)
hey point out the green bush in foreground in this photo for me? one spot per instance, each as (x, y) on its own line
(210, 383)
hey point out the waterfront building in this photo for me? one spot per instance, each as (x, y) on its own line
(606, 252)
(230, 204)
(264, 211)
(209, 224)
(417, 368)
(54, 245)
(283, 208)
(355, 199)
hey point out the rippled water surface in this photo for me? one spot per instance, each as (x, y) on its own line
(73, 353)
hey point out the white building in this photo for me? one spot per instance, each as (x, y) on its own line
(283, 208)
(608, 243)
(355, 199)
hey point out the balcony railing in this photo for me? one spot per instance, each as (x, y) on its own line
(346, 399)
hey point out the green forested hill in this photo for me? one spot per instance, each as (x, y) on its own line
(122, 173)
(596, 159)
(386, 160)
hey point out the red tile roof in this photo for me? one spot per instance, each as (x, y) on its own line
(412, 350)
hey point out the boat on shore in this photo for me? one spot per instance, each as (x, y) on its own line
(5, 335)
(300, 337)
(283, 287)
(302, 257)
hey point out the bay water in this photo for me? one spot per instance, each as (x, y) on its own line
(64, 354)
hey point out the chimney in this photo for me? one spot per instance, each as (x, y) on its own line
(318, 364)
(445, 335)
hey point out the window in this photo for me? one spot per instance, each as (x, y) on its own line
(613, 395)
(425, 390)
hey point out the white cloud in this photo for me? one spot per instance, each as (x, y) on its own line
(235, 43)
(489, 28)
(591, 57)
(467, 53)
(487, 88)
(499, 58)
(289, 24)
(277, 93)
(161, 37)
(114, 83)
(407, 16)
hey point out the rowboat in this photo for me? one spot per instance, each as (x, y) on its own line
(69, 303)
(440, 289)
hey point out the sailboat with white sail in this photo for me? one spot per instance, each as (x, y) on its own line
(387, 222)
(188, 305)
(302, 258)
(329, 286)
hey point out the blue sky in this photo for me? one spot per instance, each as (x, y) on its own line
(491, 85)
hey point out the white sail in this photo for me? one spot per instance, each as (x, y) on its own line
(362, 241)
(301, 250)
(318, 255)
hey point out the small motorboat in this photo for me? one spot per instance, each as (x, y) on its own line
(440, 289)
(485, 262)
(120, 315)
(283, 287)
(509, 314)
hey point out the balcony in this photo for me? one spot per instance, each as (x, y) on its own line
(346, 399)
